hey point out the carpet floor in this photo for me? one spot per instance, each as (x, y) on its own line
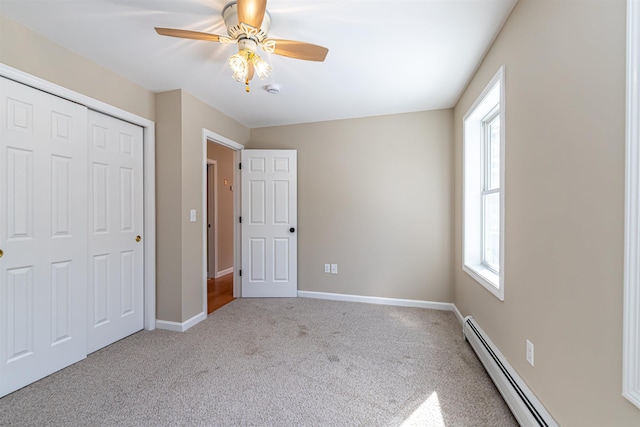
(276, 362)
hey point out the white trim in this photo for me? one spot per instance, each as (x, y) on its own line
(485, 277)
(631, 327)
(224, 272)
(149, 173)
(205, 234)
(237, 230)
(181, 327)
(219, 139)
(458, 314)
(445, 306)
(208, 135)
(470, 125)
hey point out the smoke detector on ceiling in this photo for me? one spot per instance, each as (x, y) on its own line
(273, 89)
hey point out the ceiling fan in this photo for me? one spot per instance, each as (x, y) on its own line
(248, 23)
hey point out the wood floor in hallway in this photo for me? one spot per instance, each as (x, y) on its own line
(219, 292)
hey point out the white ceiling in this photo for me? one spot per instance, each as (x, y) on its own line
(385, 56)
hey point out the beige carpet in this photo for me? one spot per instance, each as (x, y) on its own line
(276, 362)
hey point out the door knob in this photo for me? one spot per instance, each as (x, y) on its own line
(292, 229)
(1, 253)
(138, 238)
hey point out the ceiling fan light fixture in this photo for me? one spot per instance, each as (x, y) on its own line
(262, 68)
(242, 62)
(238, 62)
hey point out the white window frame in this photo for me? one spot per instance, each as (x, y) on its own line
(485, 191)
(631, 319)
(490, 103)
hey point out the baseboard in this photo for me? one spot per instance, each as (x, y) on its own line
(458, 314)
(224, 272)
(445, 306)
(180, 327)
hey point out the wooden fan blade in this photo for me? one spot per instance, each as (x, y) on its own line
(251, 12)
(300, 50)
(186, 34)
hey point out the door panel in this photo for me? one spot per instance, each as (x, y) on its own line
(43, 272)
(116, 218)
(269, 211)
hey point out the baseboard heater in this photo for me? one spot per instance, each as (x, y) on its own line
(526, 408)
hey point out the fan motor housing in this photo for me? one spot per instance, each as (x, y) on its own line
(235, 30)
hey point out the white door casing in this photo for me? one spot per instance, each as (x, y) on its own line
(207, 136)
(116, 275)
(269, 223)
(43, 234)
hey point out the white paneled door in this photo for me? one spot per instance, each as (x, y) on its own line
(115, 291)
(43, 234)
(269, 223)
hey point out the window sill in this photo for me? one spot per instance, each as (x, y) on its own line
(486, 277)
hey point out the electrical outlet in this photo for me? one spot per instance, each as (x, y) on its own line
(327, 268)
(530, 352)
(334, 268)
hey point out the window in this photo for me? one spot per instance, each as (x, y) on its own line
(483, 203)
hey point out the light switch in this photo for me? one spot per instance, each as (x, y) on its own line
(193, 215)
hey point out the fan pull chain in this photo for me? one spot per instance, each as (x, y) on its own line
(246, 89)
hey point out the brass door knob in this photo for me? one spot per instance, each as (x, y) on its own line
(1, 253)
(138, 238)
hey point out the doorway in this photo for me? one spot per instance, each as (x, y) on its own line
(220, 236)
(210, 137)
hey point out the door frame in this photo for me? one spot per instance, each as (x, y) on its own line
(208, 135)
(149, 191)
(213, 206)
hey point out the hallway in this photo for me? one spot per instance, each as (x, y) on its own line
(219, 292)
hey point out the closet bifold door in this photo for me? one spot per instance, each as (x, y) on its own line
(43, 237)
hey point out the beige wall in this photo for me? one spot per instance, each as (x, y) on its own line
(168, 108)
(565, 74)
(181, 153)
(32, 53)
(375, 197)
(224, 157)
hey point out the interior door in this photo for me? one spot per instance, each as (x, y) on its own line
(115, 230)
(269, 223)
(43, 234)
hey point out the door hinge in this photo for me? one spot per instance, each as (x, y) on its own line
(240, 220)
(239, 165)
(240, 273)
